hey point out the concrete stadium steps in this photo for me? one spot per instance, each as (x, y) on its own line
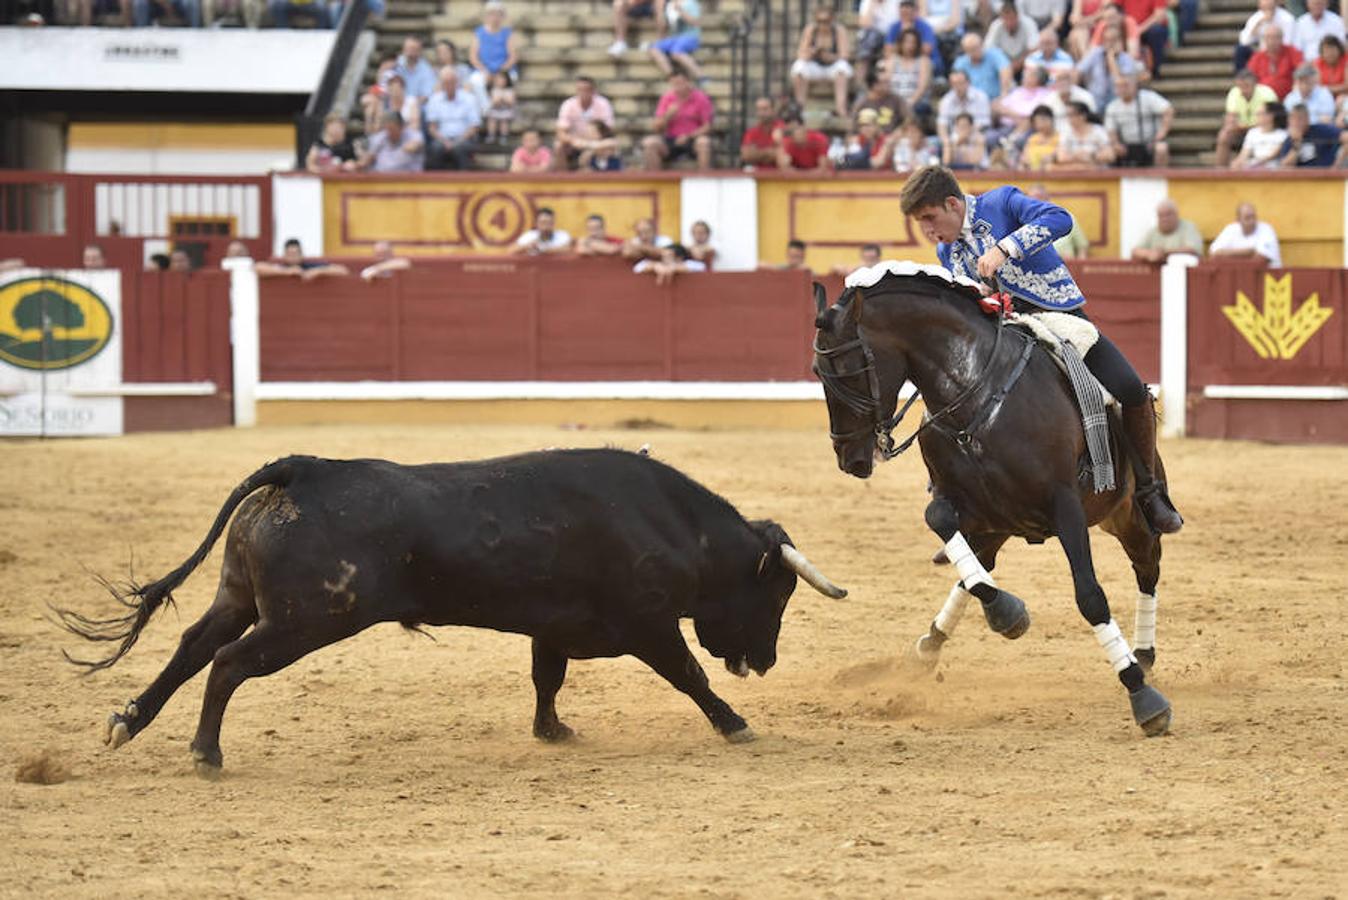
(1196, 78)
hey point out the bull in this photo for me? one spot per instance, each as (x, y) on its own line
(592, 553)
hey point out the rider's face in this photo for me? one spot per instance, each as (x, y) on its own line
(941, 224)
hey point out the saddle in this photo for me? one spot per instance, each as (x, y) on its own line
(1053, 329)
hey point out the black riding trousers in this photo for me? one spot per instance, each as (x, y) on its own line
(1106, 363)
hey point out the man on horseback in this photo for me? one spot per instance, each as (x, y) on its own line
(1006, 236)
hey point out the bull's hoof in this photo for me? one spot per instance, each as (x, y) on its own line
(1146, 659)
(1151, 710)
(743, 736)
(116, 732)
(1006, 614)
(555, 733)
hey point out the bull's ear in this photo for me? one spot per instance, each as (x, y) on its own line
(766, 561)
(772, 537)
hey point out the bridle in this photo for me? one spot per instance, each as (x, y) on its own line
(870, 405)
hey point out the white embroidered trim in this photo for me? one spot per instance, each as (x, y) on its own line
(1047, 287)
(870, 275)
(1032, 238)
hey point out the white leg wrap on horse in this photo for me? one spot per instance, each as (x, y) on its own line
(962, 556)
(1115, 645)
(1144, 626)
(953, 610)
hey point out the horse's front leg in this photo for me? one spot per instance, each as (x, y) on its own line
(927, 652)
(1150, 709)
(1004, 611)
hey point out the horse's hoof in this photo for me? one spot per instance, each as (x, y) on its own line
(922, 657)
(1146, 659)
(1151, 710)
(743, 736)
(555, 734)
(206, 770)
(1006, 614)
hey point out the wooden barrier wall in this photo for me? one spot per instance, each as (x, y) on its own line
(1250, 326)
(549, 320)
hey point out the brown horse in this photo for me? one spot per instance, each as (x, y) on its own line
(1003, 442)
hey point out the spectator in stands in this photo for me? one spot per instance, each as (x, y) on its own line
(1013, 34)
(874, 18)
(181, 261)
(803, 149)
(1074, 244)
(1047, 15)
(1330, 65)
(1153, 21)
(699, 247)
(500, 111)
(332, 152)
(967, 148)
(1308, 144)
(909, 21)
(821, 55)
(544, 239)
(1132, 35)
(763, 140)
(908, 73)
(1313, 26)
(1065, 93)
(1041, 146)
(1243, 103)
(1050, 56)
(1103, 64)
(1016, 106)
(495, 47)
(294, 264)
(603, 156)
(946, 20)
(531, 156)
(186, 12)
(1263, 143)
(1248, 238)
(452, 123)
(869, 256)
(394, 99)
(417, 74)
(576, 120)
(889, 107)
(237, 249)
(907, 149)
(91, 9)
(862, 146)
(645, 243)
(682, 126)
(158, 262)
(1170, 234)
(394, 148)
(1305, 92)
(1083, 144)
(626, 10)
(673, 259)
(385, 263)
(684, 20)
(596, 241)
(795, 256)
(93, 257)
(447, 54)
(988, 68)
(1274, 63)
(1085, 16)
(962, 98)
(1138, 123)
(1268, 13)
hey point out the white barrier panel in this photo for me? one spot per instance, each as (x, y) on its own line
(60, 352)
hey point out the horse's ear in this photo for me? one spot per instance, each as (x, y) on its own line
(820, 299)
(854, 308)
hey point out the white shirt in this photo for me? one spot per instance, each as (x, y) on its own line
(1264, 147)
(559, 239)
(1308, 33)
(692, 265)
(886, 13)
(1264, 241)
(1250, 35)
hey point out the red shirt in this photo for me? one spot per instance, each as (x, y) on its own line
(761, 138)
(1330, 77)
(1277, 74)
(808, 154)
(1142, 10)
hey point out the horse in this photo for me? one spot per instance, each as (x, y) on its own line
(1004, 446)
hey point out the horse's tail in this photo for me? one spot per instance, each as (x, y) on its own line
(143, 601)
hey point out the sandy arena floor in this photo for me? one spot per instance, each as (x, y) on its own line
(391, 762)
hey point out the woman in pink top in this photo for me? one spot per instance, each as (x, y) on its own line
(531, 155)
(682, 126)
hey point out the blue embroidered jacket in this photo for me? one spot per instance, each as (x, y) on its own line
(1025, 229)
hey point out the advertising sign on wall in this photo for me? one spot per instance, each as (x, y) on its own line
(60, 347)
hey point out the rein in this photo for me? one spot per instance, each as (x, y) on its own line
(883, 427)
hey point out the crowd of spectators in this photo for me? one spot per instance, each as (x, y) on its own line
(182, 13)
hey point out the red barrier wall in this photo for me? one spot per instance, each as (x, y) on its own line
(551, 320)
(1299, 345)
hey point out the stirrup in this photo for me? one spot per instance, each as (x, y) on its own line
(1157, 509)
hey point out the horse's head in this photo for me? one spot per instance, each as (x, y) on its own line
(861, 393)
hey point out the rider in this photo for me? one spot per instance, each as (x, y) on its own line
(1006, 235)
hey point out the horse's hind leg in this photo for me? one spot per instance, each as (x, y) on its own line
(232, 611)
(927, 651)
(1150, 710)
(1005, 612)
(1143, 547)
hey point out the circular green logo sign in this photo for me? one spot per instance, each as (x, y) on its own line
(51, 323)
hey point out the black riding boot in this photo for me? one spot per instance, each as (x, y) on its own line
(1140, 423)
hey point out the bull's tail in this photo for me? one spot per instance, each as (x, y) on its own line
(142, 601)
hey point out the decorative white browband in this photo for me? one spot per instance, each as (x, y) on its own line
(1115, 646)
(1144, 625)
(949, 616)
(958, 551)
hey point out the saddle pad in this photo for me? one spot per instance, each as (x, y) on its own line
(1052, 327)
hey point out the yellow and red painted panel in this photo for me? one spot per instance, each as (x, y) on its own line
(447, 216)
(835, 216)
(1306, 212)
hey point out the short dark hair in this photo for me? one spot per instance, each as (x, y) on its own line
(874, 248)
(160, 261)
(928, 186)
(1330, 39)
(1041, 110)
(680, 251)
(544, 211)
(1246, 75)
(593, 217)
(795, 244)
(293, 242)
(1078, 106)
(964, 117)
(587, 79)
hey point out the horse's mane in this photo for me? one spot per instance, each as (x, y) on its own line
(909, 276)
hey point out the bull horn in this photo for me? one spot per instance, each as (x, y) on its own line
(796, 562)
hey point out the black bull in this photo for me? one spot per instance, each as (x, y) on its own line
(593, 553)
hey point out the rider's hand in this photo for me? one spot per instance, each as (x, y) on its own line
(990, 262)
